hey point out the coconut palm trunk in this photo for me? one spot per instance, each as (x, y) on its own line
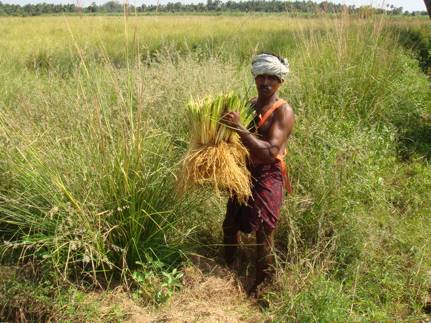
(428, 5)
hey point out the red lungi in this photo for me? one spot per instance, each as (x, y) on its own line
(263, 208)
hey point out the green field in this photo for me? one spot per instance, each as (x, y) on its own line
(92, 132)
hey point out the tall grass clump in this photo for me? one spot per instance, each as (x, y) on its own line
(90, 190)
(216, 155)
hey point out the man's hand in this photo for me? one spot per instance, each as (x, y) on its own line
(232, 119)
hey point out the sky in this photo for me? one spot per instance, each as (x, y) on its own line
(410, 5)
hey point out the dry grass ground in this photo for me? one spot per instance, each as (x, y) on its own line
(216, 296)
(210, 293)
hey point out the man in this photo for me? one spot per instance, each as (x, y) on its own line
(266, 143)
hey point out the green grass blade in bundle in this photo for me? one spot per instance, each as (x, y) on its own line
(216, 155)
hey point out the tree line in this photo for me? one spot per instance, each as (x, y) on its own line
(294, 7)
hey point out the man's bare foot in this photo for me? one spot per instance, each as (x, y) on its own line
(253, 291)
(256, 293)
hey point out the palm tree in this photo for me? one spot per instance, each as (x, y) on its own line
(428, 5)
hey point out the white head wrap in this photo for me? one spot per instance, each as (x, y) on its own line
(271, 65)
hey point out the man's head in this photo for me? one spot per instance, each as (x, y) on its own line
(269, 72)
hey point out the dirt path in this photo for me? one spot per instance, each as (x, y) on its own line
(211, 293)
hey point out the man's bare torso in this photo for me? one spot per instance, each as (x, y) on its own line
(264, 131)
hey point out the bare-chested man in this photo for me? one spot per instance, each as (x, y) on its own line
(266, 144)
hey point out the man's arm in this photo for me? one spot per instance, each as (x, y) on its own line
(268, 149)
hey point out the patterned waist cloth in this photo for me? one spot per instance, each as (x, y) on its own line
(263, 208)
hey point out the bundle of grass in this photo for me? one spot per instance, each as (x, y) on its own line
(216, 155)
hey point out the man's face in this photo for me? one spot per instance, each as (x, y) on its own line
(267, 85)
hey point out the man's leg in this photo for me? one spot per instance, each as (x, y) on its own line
(230, 233)
(264, 254)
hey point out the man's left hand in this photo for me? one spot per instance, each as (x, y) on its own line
(232, 119)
